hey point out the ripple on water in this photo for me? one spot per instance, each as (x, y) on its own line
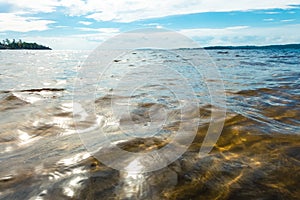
(256, 156)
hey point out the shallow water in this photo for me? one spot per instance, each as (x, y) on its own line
(43, 157)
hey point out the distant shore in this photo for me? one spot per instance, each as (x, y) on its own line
(284, 46)
(15, 45)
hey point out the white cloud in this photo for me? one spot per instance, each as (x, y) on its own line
(72, 42)
(18, 19)
(238, 35)
(151, 24)
(269, 20)
(271, 13)
(77, 41)
(132, 10)
(65, 42)
(103, 16)
(245, 35)
(85, 23)
(287, 20)
(14, 22)
(95, 37)
(100, 30)
(204, 32)
(61, 26)
(32, 6)
(236, 27)
(75, 7)
(154, 25)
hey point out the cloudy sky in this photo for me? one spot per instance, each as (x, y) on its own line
(83, 24)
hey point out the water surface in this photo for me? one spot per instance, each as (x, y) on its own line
(256, 157)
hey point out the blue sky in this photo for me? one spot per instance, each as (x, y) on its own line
(84, 24)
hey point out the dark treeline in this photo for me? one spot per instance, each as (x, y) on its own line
(7, 44)
(284, 46)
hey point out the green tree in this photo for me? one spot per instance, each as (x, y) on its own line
(7, 44)
(7, 41)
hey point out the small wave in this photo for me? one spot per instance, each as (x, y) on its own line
(274, 109)
(253, 92)
(283, 56)
(31, 96)
(34, 90)
(284, 62)
(253, 63)
(11, 101)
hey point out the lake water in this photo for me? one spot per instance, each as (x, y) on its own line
(42, 156)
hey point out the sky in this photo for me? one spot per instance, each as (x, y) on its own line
(84, 24)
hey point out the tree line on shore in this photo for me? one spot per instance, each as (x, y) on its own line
(7, 44)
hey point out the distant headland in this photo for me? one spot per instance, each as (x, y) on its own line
(283, 46)
(7, 44)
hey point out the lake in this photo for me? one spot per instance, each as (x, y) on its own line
(48, 151)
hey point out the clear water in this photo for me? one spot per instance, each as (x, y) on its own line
(256, 157)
